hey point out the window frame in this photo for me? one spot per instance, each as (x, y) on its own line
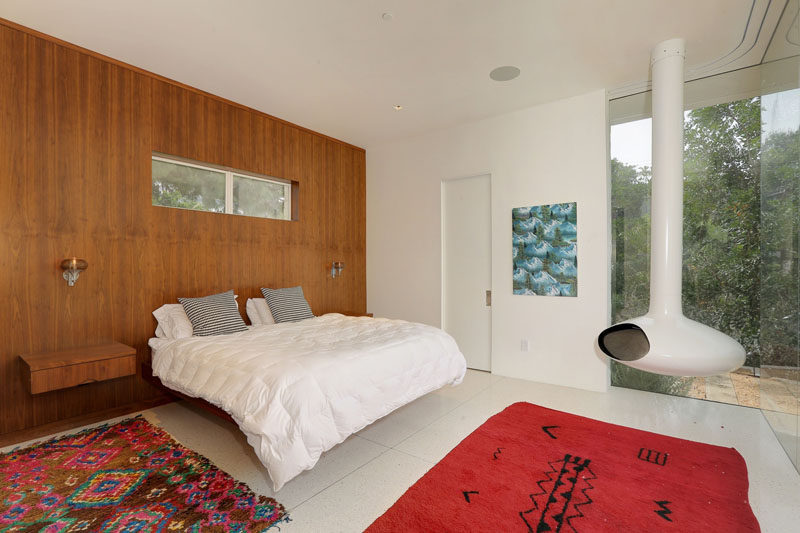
(229, 173)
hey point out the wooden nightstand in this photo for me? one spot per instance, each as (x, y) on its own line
(46, 371)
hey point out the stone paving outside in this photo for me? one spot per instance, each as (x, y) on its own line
(776, 392)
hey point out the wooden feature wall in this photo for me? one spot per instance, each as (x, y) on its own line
(77, 131)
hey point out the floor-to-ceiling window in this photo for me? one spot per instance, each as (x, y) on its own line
(779, 339)
(721, 238)
(741, 223)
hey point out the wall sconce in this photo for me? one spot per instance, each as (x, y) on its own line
(336, 268)
(72, 269)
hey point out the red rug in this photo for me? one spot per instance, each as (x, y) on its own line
(534, 469)
(129, 476)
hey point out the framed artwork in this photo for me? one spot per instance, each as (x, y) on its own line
(545, 249)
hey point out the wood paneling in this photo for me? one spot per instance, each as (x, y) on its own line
(77, 131)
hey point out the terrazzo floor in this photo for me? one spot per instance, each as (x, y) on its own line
(358, 480)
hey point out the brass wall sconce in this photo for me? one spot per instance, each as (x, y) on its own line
(72, 269)
(336, 268)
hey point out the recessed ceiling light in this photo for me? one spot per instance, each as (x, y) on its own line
(505, 73)
(397, 107)
(387, 16)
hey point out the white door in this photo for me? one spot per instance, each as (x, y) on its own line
(467, 267)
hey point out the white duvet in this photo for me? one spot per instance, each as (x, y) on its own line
(298, 389)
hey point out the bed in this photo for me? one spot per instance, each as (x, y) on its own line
(298, 389)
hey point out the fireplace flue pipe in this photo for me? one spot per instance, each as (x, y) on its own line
(664, 341)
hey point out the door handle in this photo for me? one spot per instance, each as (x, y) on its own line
(488, 298)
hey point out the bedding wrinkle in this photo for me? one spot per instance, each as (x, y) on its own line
(297, 389)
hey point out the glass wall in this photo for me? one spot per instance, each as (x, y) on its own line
(741, 243)
(741, 235)
(780, 282)
(780, 212)
(741, 240)
(722, 247)
(741, 264)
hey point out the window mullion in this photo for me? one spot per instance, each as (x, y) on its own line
(229, 192)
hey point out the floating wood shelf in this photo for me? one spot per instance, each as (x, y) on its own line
(47, 371)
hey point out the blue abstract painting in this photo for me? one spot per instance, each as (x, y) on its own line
(545, 249)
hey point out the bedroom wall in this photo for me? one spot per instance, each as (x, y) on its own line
(545, 154)
(76, 135)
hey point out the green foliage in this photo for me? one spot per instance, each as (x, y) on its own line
(722, 220)
(633, 378)
(780, 282)
(169, 195)
(176, 185)
(260, 198)
(740, 236)
(630, 227)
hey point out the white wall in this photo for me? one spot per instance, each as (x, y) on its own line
(556, 152)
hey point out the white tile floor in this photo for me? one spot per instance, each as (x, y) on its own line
(359, 479)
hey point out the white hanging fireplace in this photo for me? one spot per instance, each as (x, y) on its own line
(664, 341)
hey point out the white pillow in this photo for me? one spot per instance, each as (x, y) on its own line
(172, 322)
(258, 312)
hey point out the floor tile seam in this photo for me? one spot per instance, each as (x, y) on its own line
(276, 496)
(426, 426)
(425, 459)
(386, 449)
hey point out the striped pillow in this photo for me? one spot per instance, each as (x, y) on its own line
(217, 314)
(287, 305)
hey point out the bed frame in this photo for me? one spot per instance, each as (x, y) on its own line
(147, 375)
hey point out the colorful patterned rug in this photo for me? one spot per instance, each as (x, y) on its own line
(532, 469)
(128, 476)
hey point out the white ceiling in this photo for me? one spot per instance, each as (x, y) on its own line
(336, 67)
